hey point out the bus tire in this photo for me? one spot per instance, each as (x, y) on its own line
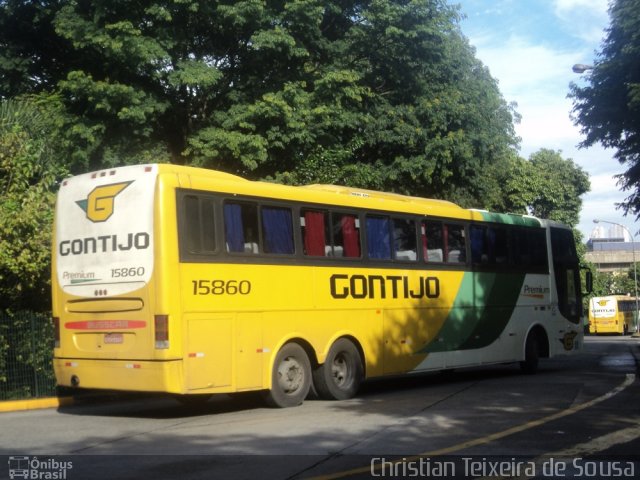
(290, 377)
(531, 354)
(340, 376)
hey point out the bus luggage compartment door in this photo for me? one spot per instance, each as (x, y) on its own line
(209, 360)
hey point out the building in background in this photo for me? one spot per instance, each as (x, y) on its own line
(611, 249)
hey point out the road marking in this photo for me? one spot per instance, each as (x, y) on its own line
(587, 448)
(630, 378)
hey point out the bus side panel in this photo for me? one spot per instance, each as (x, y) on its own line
(249, 351)
(209, 350)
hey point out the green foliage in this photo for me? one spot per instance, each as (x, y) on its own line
(546, 185)
(379, 94)
(26, 342)
(608, 107)
(28, 173)
(613, 283)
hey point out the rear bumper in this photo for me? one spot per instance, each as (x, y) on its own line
(130, 375)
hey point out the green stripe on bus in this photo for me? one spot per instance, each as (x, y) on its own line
(511, 219)
(503, 298)
(470, 324)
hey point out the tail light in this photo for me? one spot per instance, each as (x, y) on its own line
(161, 324)
(56, 332)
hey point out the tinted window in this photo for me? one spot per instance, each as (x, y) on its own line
(455, 245)
(346, 235)
(404, 239)
(199, 224)
(378, 238)
(314, 227)
(241, 227)
(489, 245)
(277, 230)
(432, 242)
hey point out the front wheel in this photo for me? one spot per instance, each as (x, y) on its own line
(339, 377)
(531, 354)
(290, 377)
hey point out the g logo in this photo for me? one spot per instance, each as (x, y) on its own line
(100, 202)
(568, 340)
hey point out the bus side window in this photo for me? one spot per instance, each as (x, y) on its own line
(489, 245)
(432, 242)
(404, 240)
(378, 237)
(277, 230)
(454, 242)
(193, 228)
(315, 234)
(530, 249)
(241, 227)
(477, 234)
(200, 227)
(346, 235)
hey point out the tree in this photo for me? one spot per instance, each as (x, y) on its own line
(546, 185)
(380, 94)
(608, 107)
(28, 174)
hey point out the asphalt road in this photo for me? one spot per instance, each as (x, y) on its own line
(579, 417)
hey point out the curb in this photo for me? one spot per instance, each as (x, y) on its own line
(34, 404)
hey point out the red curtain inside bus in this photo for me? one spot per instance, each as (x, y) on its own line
(350, 236)
(314, 233)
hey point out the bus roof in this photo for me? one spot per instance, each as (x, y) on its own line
(347, 196)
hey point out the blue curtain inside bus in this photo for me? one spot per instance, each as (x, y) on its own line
(234, 231)
(378, 238)
(278, 230)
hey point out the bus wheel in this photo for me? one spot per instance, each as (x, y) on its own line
(531, 354)
(290, 378)
(339, 377)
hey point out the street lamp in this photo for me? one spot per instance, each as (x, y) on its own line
(581, 68)
(635, 273)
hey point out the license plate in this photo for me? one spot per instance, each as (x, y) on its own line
(113, 338)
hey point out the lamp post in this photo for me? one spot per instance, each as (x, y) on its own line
(581, 68)
(635, 273)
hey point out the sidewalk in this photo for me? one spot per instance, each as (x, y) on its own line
(36, 403)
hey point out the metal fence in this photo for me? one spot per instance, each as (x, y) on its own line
(26, 350)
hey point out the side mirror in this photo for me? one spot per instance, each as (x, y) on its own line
(588, 280)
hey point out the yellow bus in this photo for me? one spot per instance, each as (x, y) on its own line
(612, 314)
(197, 282)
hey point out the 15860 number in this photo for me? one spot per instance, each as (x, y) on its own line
(221, 287)
(127, 272)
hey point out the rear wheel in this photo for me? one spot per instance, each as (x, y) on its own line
(339, 377)
(531, 354)
(290, 377)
